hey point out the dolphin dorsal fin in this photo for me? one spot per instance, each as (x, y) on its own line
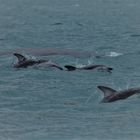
(20, 57)
(107, 91)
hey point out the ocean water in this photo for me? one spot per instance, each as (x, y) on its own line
(49, 104)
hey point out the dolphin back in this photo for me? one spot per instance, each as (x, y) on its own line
(70, 68)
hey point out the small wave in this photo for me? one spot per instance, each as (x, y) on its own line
(135, 35)
(77, 5)
(114, 54)
(58, 23)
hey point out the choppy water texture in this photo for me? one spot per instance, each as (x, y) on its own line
(48, 104)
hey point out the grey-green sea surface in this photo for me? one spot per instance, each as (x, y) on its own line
(49, 104)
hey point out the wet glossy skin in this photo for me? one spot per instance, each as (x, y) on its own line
(121, 95)
(25, 64)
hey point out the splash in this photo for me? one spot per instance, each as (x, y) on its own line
(80, 65)
(114, 54)
(90, 60)
(89, 98)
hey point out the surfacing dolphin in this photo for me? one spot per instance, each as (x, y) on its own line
(24, 62)
(90, 67)
(111, 95)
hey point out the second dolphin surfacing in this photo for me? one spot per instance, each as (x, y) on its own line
(89, 67)
(111, 95)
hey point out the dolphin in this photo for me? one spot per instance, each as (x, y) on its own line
(111, 95)
(89, 67)
(23, 62)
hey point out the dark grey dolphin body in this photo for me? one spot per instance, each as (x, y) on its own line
(111, 95)
(90, 67)
(23, 62)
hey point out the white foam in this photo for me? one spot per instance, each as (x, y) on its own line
(114, 54)
(80, 65)
(29, 56)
